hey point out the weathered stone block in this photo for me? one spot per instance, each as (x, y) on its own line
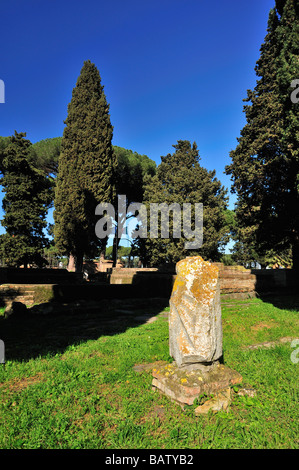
(220, 402)
(195, 328)
(185, 384)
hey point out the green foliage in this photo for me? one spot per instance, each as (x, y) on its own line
(53, 257)
(87, 168)
(28, 196)
(275, 260)
(132, 169)
(131, 166)
(230, 220)
(123, 251)
(181, 179)
(43, 293)
(4, 142)
(265, 163)
(45, 155)
(227, 260)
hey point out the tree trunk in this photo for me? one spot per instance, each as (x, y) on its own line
(75, 263)
(116, 239)
(295, 255)
(129, 260)
(114, 250)
(72, 264)
(115, 242)
(79, 263)
(103, 248)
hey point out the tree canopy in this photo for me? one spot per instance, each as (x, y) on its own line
(132, 170)
(45, 155)
(28, 196)
(181, 179)
(4, 142)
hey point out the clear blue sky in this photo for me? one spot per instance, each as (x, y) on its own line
(171, 69)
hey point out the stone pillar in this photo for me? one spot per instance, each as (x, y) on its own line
(195, 336)
(195, 328)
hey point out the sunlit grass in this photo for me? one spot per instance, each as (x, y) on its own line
(67, 392)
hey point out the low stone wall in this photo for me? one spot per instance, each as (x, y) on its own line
(38, 276)
(36, 294)
(127, 275)
(233, 279)
(271, 280)
(235, 282)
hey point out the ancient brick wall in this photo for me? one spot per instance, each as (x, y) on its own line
(235, 282)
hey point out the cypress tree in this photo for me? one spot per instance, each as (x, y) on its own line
(28, 196)
(86, 168)
(265, 163)
(4, 142)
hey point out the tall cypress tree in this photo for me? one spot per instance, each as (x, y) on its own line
(28, 196)
(265, 163)
(86, 168)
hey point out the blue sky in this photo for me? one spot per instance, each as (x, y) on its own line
(171, 69)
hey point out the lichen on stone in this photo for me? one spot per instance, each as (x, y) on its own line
(195, 313)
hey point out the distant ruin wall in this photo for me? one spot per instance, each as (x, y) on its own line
(38, 276)
(235, 281)
(58, 285)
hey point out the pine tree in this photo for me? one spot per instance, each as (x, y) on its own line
(181, 179)
(86, 168)
(45, 155)
(28, 196)
(265, 163)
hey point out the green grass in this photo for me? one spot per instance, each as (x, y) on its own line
(69, 382)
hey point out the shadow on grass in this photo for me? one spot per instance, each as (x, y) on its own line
(280, 287)
(33, 335)
(285, 300)
(8, 294)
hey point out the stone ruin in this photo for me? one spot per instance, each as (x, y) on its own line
(195, 338)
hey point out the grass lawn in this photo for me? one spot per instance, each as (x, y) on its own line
(69, 381)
